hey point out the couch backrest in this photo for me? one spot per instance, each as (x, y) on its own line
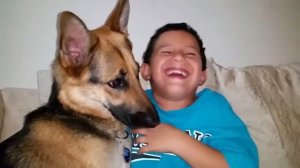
(17, 102)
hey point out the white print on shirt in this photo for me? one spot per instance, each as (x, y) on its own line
(198, 135)
(135, 156)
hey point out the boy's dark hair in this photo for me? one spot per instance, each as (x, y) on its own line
(169, 27)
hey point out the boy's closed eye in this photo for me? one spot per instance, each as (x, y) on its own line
(166, 52)
(190, 54)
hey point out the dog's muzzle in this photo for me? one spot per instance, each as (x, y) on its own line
(136, 119)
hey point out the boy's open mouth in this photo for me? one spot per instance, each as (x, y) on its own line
(176, 72)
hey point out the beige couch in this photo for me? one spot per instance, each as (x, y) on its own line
(267, 98)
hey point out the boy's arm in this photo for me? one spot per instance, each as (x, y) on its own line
(196, 154)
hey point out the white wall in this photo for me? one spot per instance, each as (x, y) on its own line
(235, 32)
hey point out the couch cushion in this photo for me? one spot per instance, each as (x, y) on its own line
(44, 83)
(211, 81)
(17, 103)
(267, 100)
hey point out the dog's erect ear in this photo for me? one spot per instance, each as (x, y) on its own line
(74, 41)
(118, 18)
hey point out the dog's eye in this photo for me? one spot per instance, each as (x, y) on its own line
(118, 83)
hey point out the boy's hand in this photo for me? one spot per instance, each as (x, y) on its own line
(162, 138)
(167, 139)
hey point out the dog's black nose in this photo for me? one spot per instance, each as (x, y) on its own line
(136, 119)
(144, 119)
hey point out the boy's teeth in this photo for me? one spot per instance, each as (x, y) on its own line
(176, 72)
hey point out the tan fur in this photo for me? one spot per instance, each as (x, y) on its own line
(69, 149)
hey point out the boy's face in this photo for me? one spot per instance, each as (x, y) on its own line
(175, 68)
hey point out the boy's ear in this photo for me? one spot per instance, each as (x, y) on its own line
(145, 71)
(203, 77)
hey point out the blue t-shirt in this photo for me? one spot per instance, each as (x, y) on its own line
(210, 120)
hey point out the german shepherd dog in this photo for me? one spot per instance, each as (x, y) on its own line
(95, 97)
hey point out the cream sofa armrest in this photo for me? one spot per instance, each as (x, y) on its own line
(17, 103)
